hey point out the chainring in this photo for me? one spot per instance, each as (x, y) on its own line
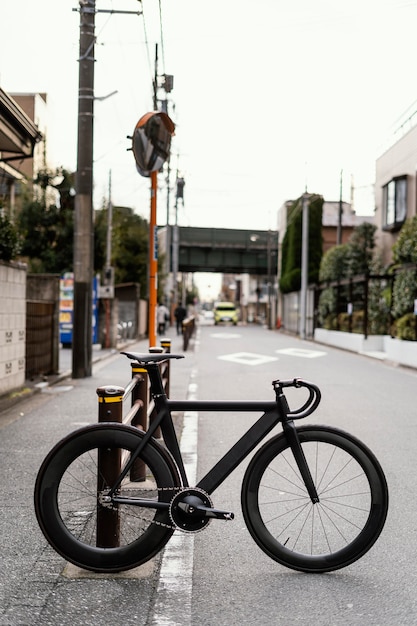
(182, 510)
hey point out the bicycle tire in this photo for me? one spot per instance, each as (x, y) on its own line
(66, 499)
(319, 537)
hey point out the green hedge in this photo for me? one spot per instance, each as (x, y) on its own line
(292, 244)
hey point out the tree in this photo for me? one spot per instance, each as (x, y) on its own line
(405, 281)
(360, 250)
(405, 248)
(9, 239)
(333, 263)
(354, 258)
(130, 236)
(332, 267)
(47, 232)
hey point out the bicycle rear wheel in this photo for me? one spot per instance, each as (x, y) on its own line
(332, 533)
(69, 499)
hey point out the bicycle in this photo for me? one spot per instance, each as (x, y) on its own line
(313, 498)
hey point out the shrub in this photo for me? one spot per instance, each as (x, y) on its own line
(405, 327)
(9, 240)
(404, 292)
(405, 248)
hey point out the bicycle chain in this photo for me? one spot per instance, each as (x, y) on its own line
(171, 526)
(157, 522)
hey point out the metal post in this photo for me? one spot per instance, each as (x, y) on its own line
(153, 262)
(110, 409)
(304, 267)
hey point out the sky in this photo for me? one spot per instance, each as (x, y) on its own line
(270, 98)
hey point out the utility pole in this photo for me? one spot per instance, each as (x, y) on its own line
(166, 83)
(339, 221)
(175, 245)
(304, 266)
(109, 276)
(83, 233)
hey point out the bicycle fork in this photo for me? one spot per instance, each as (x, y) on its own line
(291, 434)
(292, 437)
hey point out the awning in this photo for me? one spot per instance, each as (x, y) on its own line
(18, 134)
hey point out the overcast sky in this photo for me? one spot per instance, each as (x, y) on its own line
(270, 96)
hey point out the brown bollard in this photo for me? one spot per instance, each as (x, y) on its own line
(110, 409)
(140, 393)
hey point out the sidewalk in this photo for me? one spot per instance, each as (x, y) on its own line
(65, 367)
(36, 585)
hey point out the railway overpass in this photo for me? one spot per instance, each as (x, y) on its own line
(227, 251)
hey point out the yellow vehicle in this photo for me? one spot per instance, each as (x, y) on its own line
(226, 312)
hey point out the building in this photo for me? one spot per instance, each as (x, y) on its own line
(330, 223)
(22, 145)
(395, 187)
(349, 221)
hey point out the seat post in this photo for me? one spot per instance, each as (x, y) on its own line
(155, 379)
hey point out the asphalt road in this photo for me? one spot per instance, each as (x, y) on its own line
(233, 582)
(220, 576)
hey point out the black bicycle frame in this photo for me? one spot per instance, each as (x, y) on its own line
(240, 450)
(273, 412)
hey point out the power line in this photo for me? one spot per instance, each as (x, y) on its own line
(161, 34)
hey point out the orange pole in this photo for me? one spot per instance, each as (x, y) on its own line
(153, 263)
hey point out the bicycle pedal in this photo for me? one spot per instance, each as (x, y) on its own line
(216, 513)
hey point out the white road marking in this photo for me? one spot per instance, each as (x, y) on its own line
(302, 352)
(175, 585)
(248, 358)
(225, 335)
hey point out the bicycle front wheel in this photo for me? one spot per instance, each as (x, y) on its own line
(330, 534)
(71, 506)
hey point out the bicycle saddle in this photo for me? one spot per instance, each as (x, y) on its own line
(155, 357)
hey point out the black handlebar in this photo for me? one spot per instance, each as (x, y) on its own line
(312, 402)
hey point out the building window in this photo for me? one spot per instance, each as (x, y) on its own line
(395, 203)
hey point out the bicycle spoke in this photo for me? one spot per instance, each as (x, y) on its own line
(325, 527)
(324, 535)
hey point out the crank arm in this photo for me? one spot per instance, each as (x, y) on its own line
(205, 511)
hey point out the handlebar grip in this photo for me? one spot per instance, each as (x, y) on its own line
(311, 403)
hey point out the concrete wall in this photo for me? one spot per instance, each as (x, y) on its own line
(12, 325)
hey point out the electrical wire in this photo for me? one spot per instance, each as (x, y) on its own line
(161, 35)
(147, 46)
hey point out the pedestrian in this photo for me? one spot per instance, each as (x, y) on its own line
(162, 318)
(180, 315)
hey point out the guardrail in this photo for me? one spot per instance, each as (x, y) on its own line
(111, 399)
